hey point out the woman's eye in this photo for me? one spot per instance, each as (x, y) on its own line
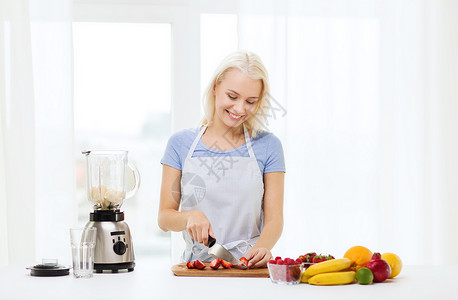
(250, 102)
(232, 97)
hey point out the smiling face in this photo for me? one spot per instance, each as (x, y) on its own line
(236, 98)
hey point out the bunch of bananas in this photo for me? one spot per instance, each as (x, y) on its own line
(330, 272)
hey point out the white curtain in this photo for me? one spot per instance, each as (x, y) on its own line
(36, 130)
(366, 98)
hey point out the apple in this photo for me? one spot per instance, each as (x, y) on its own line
(379, 267)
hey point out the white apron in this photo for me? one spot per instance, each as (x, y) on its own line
(229, 191)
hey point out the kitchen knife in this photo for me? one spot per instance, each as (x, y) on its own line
(215, 250)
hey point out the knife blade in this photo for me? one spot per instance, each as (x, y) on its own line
(216, 250)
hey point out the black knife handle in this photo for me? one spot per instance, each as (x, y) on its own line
(211, 241)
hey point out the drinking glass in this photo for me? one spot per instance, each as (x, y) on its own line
(83, 244)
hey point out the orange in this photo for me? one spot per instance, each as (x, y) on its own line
(359, 256)
(395, 263)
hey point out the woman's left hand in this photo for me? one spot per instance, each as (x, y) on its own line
(258, 257)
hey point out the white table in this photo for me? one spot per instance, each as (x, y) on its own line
(152, 279)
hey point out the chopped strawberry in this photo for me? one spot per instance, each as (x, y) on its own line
(273, 262)
(215, 264)
(199, 265)
(298, 261)
(318, 258)
(226, 264)
(277, 258)
(244, 261)
(190, 265)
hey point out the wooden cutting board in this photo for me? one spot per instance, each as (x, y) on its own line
(182, 270)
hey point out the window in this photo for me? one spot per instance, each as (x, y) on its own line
(122, 101)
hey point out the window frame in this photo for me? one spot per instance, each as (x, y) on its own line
(185, 47)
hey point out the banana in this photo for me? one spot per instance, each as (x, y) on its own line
(304, 278)
(332, 265)
(333, 278)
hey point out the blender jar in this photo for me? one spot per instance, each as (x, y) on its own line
(106, 178)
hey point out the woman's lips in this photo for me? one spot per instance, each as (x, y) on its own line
(232, 116)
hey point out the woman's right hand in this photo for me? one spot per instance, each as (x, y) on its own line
(199, 227)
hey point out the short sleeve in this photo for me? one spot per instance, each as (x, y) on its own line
(275, 161)
(171, 156)
(178, 147)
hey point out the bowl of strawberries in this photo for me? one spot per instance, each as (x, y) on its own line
(285, 271)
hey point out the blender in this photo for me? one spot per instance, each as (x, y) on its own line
(106, 187)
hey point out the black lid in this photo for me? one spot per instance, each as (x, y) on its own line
(100, 215)
(48, 271)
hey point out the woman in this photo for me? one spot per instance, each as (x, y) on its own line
(226, 178)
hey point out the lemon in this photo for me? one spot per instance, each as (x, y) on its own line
(395, 263)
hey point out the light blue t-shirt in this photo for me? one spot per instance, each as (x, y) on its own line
(266, 147)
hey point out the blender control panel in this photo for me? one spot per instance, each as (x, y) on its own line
(119, 242)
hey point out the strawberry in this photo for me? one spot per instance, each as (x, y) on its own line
(329, 257)
(287, 269)
(226, 264)
(199, 265)
(190, 265)
(309, 257)
(215, 264)
(318, 258)
(293, 274)
(244, 261)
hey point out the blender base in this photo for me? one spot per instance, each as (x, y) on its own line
(114, 268)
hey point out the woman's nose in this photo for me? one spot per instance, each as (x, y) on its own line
(238, 107)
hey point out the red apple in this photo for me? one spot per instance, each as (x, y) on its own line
(379, 267)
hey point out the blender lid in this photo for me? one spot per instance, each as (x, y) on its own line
(49, 269)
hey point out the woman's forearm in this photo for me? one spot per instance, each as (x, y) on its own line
(172, 220)
(273, 210)
(270, 234)
(169, 216)
(195, 222)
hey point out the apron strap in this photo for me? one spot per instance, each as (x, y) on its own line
(196, 141)
(194, 144)
(248, 142)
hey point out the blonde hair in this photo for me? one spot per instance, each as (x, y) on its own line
(250, 64)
